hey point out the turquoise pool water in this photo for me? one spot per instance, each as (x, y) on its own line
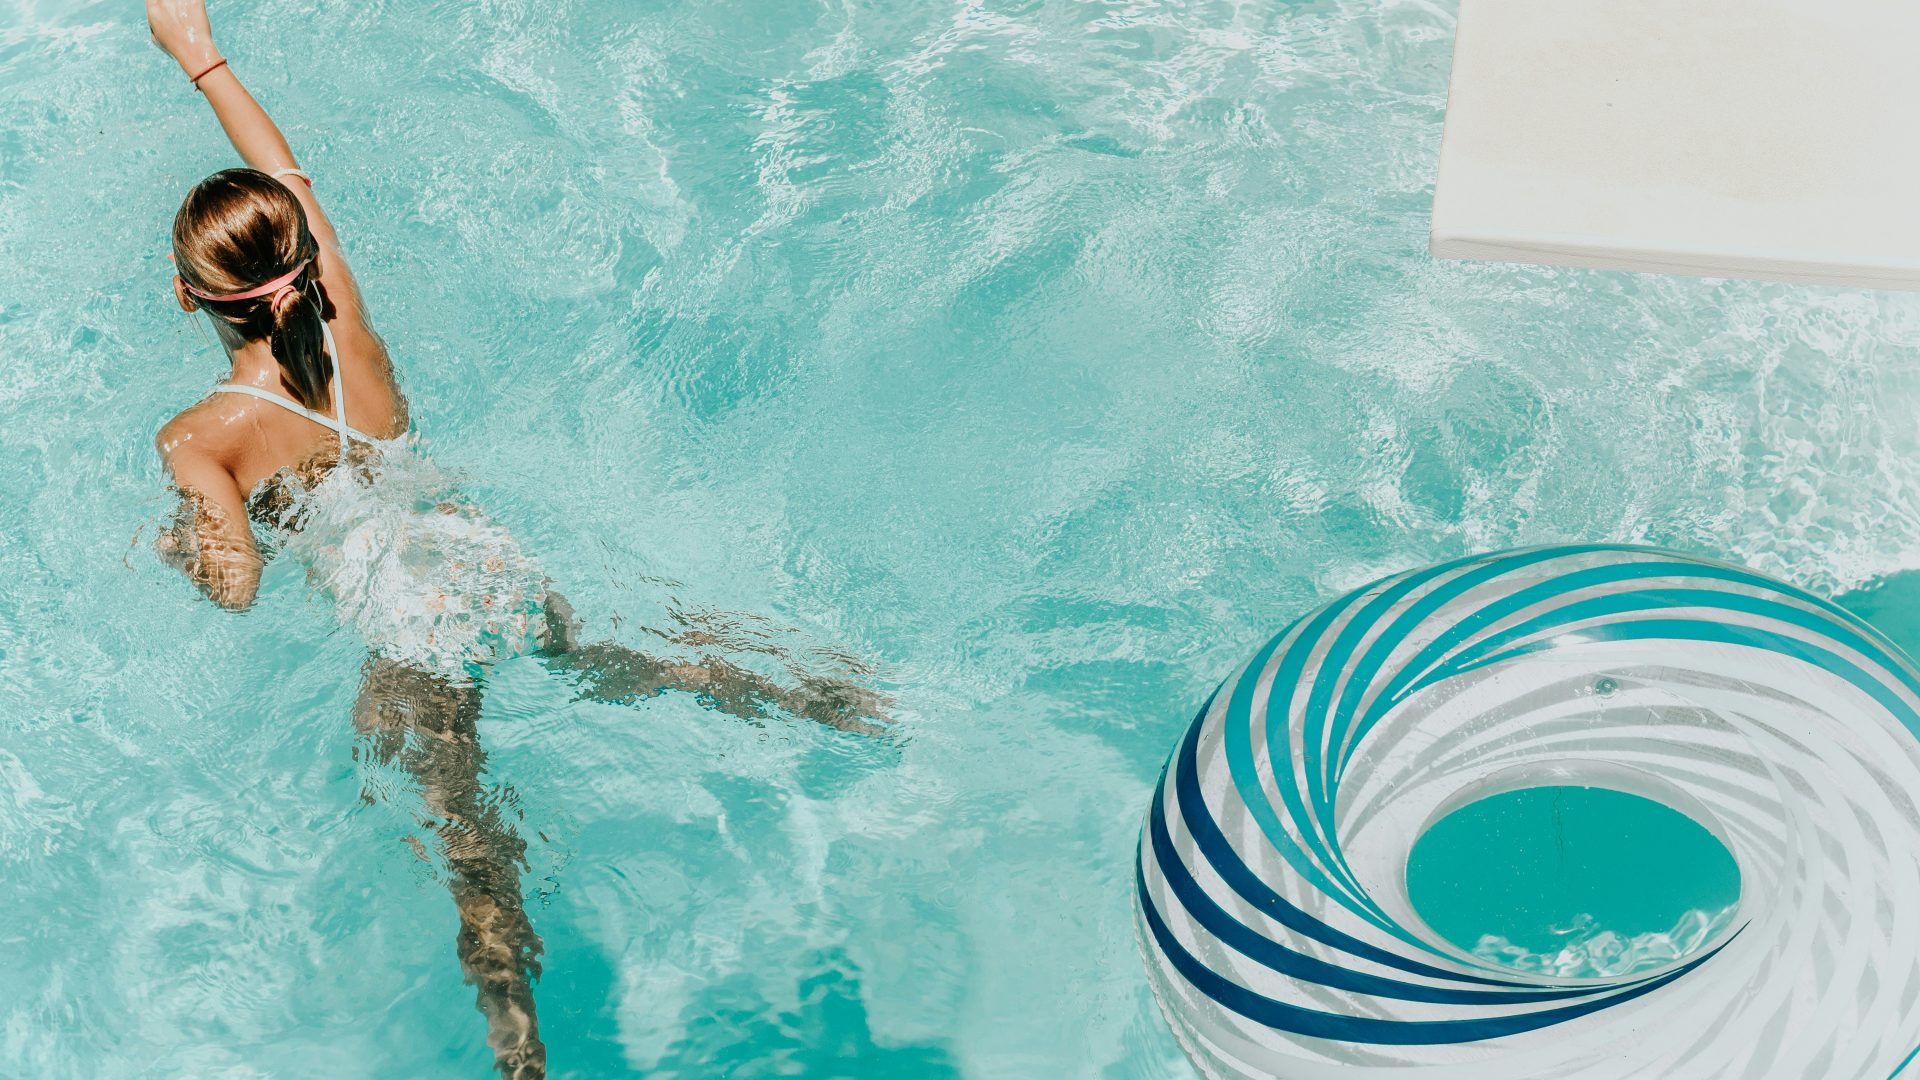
(1581, 882)
(1049, 355)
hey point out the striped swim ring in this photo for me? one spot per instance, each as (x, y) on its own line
(1271, 895)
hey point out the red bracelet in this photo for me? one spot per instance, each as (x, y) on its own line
(211, 68)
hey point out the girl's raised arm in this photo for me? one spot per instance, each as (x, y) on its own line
(181, 28)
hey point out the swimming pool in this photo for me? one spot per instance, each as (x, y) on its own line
(1049, 355)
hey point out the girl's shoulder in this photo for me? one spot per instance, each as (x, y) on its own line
(206, 427)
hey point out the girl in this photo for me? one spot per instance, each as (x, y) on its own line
(304, 439)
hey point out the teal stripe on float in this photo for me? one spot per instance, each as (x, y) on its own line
(1370, 664)
(1694, 630)
(1408, 681)
(1855, 633)
(1417, 612)
(1331, 705)
(1321, 775)
(1669, 598)
(1237, 738)
(1315, 736)
(1321, 838)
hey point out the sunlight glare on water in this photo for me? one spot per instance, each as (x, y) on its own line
(1047, 356)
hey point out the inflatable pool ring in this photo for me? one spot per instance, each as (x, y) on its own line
(1271, 892)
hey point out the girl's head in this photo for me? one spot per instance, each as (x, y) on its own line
(237, 230)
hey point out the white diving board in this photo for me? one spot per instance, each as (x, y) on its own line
(1773, 139)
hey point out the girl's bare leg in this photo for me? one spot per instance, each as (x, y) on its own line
(427, 725)
(611, 672)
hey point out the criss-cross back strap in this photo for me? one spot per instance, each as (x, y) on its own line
(338, 421)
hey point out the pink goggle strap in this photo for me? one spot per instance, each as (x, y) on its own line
(262, 289)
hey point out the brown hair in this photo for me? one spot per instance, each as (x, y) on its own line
(237, 229)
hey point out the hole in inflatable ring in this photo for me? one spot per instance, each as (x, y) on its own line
(1573, 881)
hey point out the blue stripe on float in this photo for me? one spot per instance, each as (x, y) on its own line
(1331, 731)
(1362, 1029)
(1222, 926)
(1213, 846)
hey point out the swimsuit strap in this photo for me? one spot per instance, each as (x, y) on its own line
(338, 421)
(339, 384)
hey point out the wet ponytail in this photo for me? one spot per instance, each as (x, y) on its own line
(237, 229)
(299, 343)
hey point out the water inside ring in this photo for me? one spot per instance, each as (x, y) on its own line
(1573, 881)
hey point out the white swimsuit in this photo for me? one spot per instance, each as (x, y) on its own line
(422, 574)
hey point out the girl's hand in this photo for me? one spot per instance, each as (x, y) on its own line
(181, 28)
(171, 551)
